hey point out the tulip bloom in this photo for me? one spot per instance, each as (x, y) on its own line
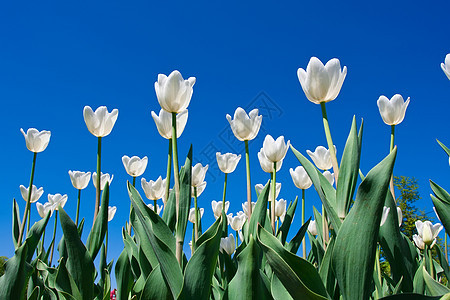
(153, 190)
(36, 140)
(103, 179)
(245, 127)
(275, 150)
(100, 123)
(329, 176)
(400, 216)
(228, 244)
(259, 187)
(322, 83)
(80, 180)
(321, 157)
(44, 209)
(163, 123)
(57, 200)
(217, 208)
(111, 212)
(392, 111)
(35, 193)
(280, 207)
(446, 66)
(198, 174)
(266, 164)
(192, 214)
(158, 208)
(173, 92)
(134, 166)
(245, 208)
(200, 188)
(237, 221)
(419, 242)
(427, 231)
(227, 162)
(312, 227)
(384, 215)
(300, 178)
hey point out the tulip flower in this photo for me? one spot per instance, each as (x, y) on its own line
(400, 216)
(57, 200)
(173, 92)
(312, 227)
(153, 190)
(111, 212)
(198, 174)
(163, 123)
(419, 242)
(217, 207)
(300, 178)
(266, 164)
(103, 179)
(275, 150)
(246, 210)
(192, 214)
(427, 231)
(329, 176)
(392, 111)
(384, 215)
(80, 180)
(100, 123)
(280, 207)
(35, 193)
(228, 244)
(259, 187)
(321, 157)
(227, 162)
(44, 209)
(36, 140)
(134, 166)
(199, 189)
(237, 221)
(321, 83)
(158, 208)
(245, 128)
(446, 66)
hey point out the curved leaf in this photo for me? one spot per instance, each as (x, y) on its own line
(98, 231)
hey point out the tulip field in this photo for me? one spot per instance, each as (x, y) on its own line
(252, 254)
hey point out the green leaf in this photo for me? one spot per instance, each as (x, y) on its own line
(16, 223)
(98, 231)
(156, 287)
(441, 202)
(444, 147)
(357, 238)
(443, 262)
(200, 268)
(434, 288)
(298, 276)
(64, 282)
(320, 182)
(123, 276)
(409, 296)
(296, 241)
(169, 212)
(79, 261)
(284, 229)
(325, 269)
(348, 172)
(185, 196)
(34, 294)
(259, 213)
(278, 290)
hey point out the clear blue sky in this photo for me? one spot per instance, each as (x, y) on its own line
(57, 57)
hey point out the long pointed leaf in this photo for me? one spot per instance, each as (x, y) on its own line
(97, 234)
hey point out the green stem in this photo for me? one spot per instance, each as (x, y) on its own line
(274, 193)
(155, 206)
(391, 183)
(78, 207)
(430, 256)
(249, 185)
(278, 220)
(196, 216)
(324, 228)
(27, 208)
(303, 222)
(237, 236)
(106, 243)
(131, 207)
(446, 246)
(169, 170)
(224, 191)
(99, 176)
(134, 181)
(377, 258)
(176, 175)
(326, 126)
(53, 238)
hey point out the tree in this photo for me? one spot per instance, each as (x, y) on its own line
(2, 264)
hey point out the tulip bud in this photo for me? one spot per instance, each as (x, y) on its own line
(446, 66)
(163, 123)
(227, 162)
(238, 221)
(312, 227)
(400, 216)
(280, 207)
(321, 157)
(275, 150)
(80, 180)
(192, 214)
(135, 166)
(228, 244)
(384, 215)
(300, 178)
(217, 208)
(266, 164)
(392, 111)
(245, 127)
(35, 193)
(173, 92)
(154, 190)
(105, 177)
(35, 140)
(198, 174)
(57, 200)
(111, 212)
(100, 123)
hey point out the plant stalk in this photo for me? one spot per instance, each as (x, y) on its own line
(274, 193)
(303, 222)
(99, 176)
(78, 207)
(27, 208)
(249, 186)
(224, 191)
(53, 238)
(196, 215)
(176, 175)
(326, 126)
(391, 183)
(169, 170)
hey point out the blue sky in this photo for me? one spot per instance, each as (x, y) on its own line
(58, 57)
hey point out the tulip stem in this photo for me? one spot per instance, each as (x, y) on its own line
(134, 181)
(106, 243)
(78, 207)
(391, 183)
(446, 247)
(249, 186)
(274, 193)
(53, 239)
(326, 126)
(377, 258)
(176, 175)
(155, 206)
(278, 220)
(303, 222)
(131, 207)
(27, 208)
(169, 170)
(237, 236)
(324, 228)
(430, 258)
(224, 191)
(99, 176)
(196, 217)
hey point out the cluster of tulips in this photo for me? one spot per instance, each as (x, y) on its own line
(346, 237)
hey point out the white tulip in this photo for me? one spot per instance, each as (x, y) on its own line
(36, 140)
(227, 162)
(446, 66)
(80, 180)
(158, 208)
(35, 193)
(103, 179)
(57, 200)
(154, 190)
(192, 214)
(312, 227)
(173, 92)
(111, 212)
(300, 178)
(200, 188)
(217, 208)
(275, 150)
(419, 242)
(329, 176)
(198, 174)
(228, 244)
(245, 207)
(384, 215)
(427, 231)
(322, 83)
(321, 157)
(43, 209)
(237, 221)
(392, 111)
(280, 208)
(400, 216)
(245, 127)
(135, 166)
(266, 164)
(101, 122)
(259, 187)
(163, 123)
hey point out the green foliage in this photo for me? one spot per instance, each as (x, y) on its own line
(2, 264)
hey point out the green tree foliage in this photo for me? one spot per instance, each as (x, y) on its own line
(2, 264)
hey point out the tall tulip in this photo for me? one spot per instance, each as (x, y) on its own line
(163, 123)
(80, 181)
(105, 177)
(100, 123)
(35, 193)
(44, 209)
(245, 128)
(218, 206)
(153, 190)
(227, 164)
(321, 157)
(134, 166)
(56, 201)
(428, 233)
(228, 244)
(446, 66)
(266, 164)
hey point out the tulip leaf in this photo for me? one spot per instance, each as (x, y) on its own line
(156, 287)
(156, 233)
(64, 281)
(317, 179)
(284, 229)
(297, 240)
(79, 262)
(259, 213)
(396, 248)
(16, 223)
(410, 296)
(123, 276)
(325, 269)
(298, 276)
(348, 172)
(434, 288)
(185, 196)
(17, 271)
(357, 238)
(34, 294)
(441, 202)
(97, 234)
(278, 290)
(169, 211)
(444, 147)
(443, 262)
(200, 268)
